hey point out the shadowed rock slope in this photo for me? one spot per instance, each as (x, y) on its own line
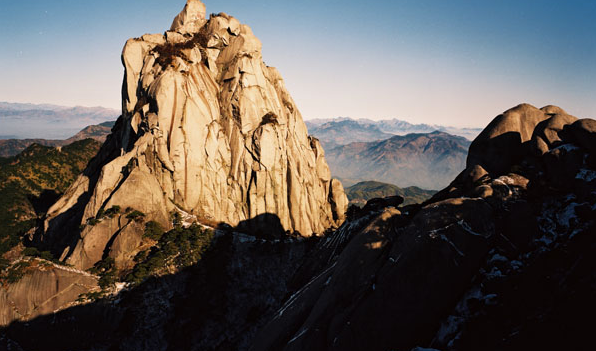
(206, 128)
(498, 260)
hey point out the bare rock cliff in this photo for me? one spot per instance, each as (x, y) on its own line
(43, 289)
(206, 128)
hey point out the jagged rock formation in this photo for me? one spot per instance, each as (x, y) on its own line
(206, 128)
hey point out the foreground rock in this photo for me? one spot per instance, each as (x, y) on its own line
(206, 128)
(501, 259)
(216, 305)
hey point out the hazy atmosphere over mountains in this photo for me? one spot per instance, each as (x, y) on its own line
(31, 121)
(429, 161)
(436, 62)
(207, 214)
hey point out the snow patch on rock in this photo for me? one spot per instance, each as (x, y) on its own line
(587, 175)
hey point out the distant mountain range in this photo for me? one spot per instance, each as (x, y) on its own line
(99, 132)
(31, 121)
(343, 130)
(360, 193)
(428, 161)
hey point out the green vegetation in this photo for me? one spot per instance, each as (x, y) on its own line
(12, 274)
(92, 296)
(108, 274)
(34, 252)
(136, 216)
(168, 51)
(112, 211)
(364, 191)
(102, 214)
(31, 181)
(179, 247)
(153, 230)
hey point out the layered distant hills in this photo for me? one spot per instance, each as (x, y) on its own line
(392, 151)
(428, 161)
(32, 121)
(99, 132)
(343, 130)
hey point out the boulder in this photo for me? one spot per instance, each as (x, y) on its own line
(583, 132)
(546, 134)
(380, 203)
(499, 145)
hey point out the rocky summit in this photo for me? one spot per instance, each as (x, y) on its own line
(208, 130)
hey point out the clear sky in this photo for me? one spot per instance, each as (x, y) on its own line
(451, 62)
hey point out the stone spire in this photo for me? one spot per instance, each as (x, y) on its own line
(206, 128)
(191, 18)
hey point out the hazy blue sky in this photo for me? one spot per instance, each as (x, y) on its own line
(444, 61)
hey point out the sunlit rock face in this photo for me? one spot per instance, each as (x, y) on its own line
(206, 128)
(43, 290)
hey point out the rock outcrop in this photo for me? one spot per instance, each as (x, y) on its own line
(43, 289)
(206, 128)
(501, 143)
(495, 261)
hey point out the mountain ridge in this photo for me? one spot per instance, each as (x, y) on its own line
(99, 132)
(428, 161)
(319, 127)
(36, 121)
